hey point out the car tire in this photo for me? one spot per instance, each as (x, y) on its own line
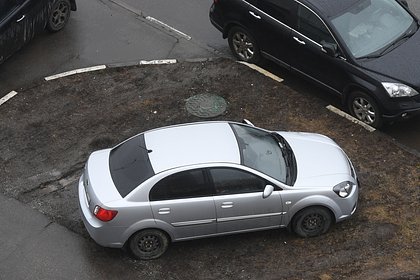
(59, 15)
(148, 244)
(365, 109)
(243, 45)
(312, 221)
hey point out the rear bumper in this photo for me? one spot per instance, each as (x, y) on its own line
(102, 233)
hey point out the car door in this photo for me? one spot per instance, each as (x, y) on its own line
(309, 35)
(20, 20)
(240, 205)
(184, 203)
(274, 19)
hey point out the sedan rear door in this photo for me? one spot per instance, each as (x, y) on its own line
(183, 204)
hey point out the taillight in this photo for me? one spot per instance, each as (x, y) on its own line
(104, 214)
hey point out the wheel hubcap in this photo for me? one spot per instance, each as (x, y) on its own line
(243, 46)
(363, 110)
(60, 15)
(313, 222)
(149, 243)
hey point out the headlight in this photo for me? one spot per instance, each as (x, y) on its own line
(399, 90)
(343, 189)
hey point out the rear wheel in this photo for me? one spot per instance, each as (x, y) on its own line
(148, 244)
(365, 109)
(59, 15)
(243, 45)
(312, 221)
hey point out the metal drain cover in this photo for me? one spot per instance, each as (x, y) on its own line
(206, 105)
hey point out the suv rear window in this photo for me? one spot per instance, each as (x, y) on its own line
(130, 164)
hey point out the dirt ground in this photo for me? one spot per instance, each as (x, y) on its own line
(48, 131)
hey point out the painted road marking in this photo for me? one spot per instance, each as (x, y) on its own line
(156, 21)
(76, 71)
(347, 116)
(7, 97)
(262, 71)
(158, 61)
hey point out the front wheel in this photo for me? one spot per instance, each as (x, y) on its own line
(312, 221)
(59, 15)
(243, 45)
(365, 109)
(148, 244)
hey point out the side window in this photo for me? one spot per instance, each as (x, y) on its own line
(312, 27)
(185, 184)
(6, 6)
(233, 181)
(280, 10)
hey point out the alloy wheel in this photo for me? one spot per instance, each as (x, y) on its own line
(243, 46)
(364, 110)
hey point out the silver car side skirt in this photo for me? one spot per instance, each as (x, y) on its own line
(193, 223)
(229, 233)
(228, 219)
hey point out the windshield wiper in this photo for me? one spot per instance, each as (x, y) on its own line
(390, 47)
(288, 156)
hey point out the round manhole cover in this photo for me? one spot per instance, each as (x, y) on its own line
(206, 105)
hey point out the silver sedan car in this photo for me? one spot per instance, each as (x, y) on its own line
(213, 178)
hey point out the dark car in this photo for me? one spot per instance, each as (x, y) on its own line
(367, 51)
(21, 20)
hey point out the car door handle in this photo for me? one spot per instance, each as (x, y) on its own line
(254, 15)
(299, 41)
(21, 18)
(164, 211)
(227, 204)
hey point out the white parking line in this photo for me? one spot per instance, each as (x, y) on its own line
(158, 61)
(7, 97)
(347, 116)
(182, 34)
(76, 71)
(262, 71)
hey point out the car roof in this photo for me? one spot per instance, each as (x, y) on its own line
(330, 8)
(190, 144)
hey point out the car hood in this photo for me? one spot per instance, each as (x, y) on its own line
(401, 64)
(320, 161)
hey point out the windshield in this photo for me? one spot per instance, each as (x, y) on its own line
(371, 25)
(261, 151)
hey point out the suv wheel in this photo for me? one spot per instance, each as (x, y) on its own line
(312, 221)
(59, 15)
(148, 244)
(365, 109)
(243, 45)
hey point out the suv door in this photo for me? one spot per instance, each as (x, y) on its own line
(309, 58)
(184, 201)
(240, 205)
(20, 20)
(275, 20)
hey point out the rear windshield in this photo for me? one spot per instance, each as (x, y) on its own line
(130, 164)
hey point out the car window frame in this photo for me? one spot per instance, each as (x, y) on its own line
(288, 19)
(169, 176)
(265, 181)
(341, 53)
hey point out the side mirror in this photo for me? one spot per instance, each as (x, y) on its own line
(268, 190)
(330, 49)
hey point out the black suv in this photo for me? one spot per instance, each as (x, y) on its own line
(21, 20)
(367, 51)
